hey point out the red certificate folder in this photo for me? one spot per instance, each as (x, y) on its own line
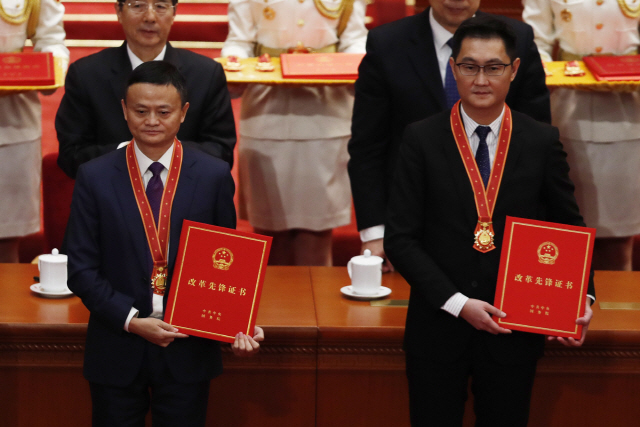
(614, 68)
(216, 286)
(27, 69)
(543, 277)
(334, 66)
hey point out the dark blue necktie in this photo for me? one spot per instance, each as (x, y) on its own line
(154, 189)
(482, 155)
(450, 87)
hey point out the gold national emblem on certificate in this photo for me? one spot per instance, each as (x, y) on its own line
(269, 13)
(222, 259)
(547, 253)
(484, 237)
(566, 15)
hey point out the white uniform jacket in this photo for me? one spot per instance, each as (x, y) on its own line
(588, 27)
(293, 112)
(20, 115)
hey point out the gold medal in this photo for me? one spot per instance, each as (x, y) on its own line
(269, 13)
(484, 236)
(159, 279)
(566, 15)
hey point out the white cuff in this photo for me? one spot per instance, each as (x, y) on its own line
(454, 304)
(372, 233)
(133, 313)
(122, 144)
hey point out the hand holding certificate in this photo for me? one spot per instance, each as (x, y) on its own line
(215, 290)
(543, 279)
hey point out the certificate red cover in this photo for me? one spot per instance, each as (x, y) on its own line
(27, 69)
(543, 277)
(215, 289)
(614, 68)
(335, 66)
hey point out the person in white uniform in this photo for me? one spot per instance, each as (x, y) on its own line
(600, 130)
(293, 139)
(20, 120)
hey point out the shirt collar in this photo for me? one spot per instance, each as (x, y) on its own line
(135, 61)
(144, 162)
(470, 125)
(440, 34)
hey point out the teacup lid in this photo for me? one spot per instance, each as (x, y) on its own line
(367, 259)
(55, 256)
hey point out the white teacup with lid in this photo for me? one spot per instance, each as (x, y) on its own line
(53, 272)
(365, 272)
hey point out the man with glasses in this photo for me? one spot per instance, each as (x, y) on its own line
(432, 218)
(89, 121)
(403, 78)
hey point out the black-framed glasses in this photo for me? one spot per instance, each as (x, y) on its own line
(489, 70)
(160, 8)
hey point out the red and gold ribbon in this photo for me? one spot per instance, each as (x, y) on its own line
(157, 234)
(485, 198)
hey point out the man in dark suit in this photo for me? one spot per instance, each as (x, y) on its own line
(430, 228)
(89, 121)
(402, 79)
(129, 348)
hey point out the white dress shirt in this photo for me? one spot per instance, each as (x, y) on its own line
(143, 164)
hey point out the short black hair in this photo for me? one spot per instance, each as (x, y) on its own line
(485, 27)
(121, 2)
(160, 73)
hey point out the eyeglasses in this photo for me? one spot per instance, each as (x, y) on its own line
(489, 70)
(160, 8)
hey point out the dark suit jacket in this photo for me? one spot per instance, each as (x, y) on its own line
(432, 217)
(399, 83)
(109, 265)
(90, 121)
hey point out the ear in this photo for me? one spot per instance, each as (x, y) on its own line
(454, 69)
(184, 112)
(118, 7)
(124, 108)
(515, 66)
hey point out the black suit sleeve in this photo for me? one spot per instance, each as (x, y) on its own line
(370, 139)
(86, 260)
(216, 133)
(404, 232)
(529, 93)
(76, 125)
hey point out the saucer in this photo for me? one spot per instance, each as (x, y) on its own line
(58, 294)
(382, 292)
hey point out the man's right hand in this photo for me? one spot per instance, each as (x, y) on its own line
(478, 314)
(376, 247)
(155, 330)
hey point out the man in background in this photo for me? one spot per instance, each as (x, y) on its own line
(89, 121)
(404, 77)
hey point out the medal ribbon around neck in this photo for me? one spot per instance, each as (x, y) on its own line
(485, 198)
(157, 237)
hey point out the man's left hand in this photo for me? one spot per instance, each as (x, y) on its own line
(584, 321)
(244, 345)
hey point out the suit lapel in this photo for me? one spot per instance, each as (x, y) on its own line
(130, 212)
(423, 58)
(511, 165)
(181, 203)
(120, 69)
(459, 176)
